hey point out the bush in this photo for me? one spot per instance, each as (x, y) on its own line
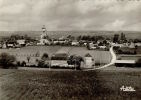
(18, 63)
(75, 60)
(45, 56)
(6, 60)
(42, 64)
(138, 63)
(23, 63)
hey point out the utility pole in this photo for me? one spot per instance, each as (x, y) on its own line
(49, 64)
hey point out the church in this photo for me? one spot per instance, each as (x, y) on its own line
(44, 39)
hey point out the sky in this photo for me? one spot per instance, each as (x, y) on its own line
(68, 15)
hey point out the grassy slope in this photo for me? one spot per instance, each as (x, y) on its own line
(46, 85)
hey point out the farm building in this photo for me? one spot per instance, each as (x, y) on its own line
(21, 42)
(127, 60)
(125, 63)
(60, 58)
(89, 62)
(75, 43)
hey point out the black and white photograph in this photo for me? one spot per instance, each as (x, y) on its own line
(70, 49)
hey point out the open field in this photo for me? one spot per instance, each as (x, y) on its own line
(68, 85)
(130, 56)
(126, 49)
(21, 54)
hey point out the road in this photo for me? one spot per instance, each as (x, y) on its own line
(113, 60)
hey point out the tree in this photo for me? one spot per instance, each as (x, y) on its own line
(75, 60)
(123, 38)
(138, 63)
(135, 50)
(7, 60)
(45, 56)
(79, 38)
(28, 59)
(116, 38)
(23, 63)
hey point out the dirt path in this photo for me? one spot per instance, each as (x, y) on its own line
(113, 60)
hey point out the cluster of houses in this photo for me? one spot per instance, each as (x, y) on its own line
(19, 43)
(44, 39)
(61, 58)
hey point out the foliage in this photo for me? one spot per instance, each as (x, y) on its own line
(45, 56)
(42, 64)
(28, 58)
(75, 60)
(23, 63)
(138, 63)
(7, 60)
(123, 38)
(116, 38)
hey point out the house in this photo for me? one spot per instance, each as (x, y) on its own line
(75, 43)
(44, 41)
(93, 46)
(10, 44)
(59, 60)
(88, 61)
(102, 47)
(117, 45)
(21, 42)
(125, 63)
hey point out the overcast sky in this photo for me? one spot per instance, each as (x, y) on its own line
(18, 15)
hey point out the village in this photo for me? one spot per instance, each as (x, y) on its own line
(70, 49)
(94, 50)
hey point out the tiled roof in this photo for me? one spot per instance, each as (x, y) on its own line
(88, 55)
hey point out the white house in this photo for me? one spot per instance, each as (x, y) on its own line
(44, 41)
(21, 42)
(75, 43)
(88, 61)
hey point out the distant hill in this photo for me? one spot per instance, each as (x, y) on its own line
(56, 34)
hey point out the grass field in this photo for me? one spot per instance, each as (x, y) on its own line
(126, 49)
(68, 85)
(21, 54)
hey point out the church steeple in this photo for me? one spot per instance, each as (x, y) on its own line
(44, 29)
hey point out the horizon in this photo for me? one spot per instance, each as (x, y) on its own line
(57, 34)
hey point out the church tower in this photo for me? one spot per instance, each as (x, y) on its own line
(43, 32)
(44, 39)
(44, 29)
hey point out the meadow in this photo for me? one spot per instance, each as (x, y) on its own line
(131, 56)
(21, 54)
(68, 85)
